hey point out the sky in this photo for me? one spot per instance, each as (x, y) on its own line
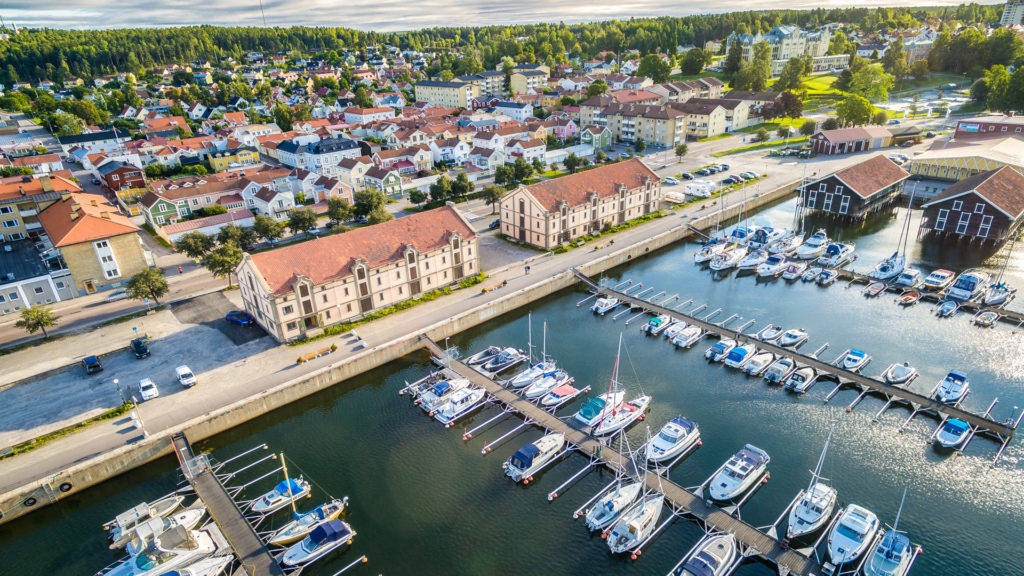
(381, 15)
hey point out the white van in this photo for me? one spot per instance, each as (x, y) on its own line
(185, 376)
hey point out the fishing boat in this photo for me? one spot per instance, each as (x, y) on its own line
(987, 319)
(874, 289)
(211, 566)
(420, 386)
(547, 383)
(323, 539)
(889, 268)
(719, 350)
(462, 402)
(709, 250)
(728, 259)
(687, 337)
(739, 474)
(740, 355)
(947, 308)
(483, 356)
(529, 459)
(636, 524)
(894, 555)
(623, 415)
(827, 277)
(505, 359)
(900, 373)
(938, 280)
(560, 395)
(773, 265)
(969, 285)
(303, 524)
(770, 334)
(952, 433)
(801, 379)
(597, 408)
(779, 370)
(816, 504)
(953, 388)
(852, 534)
(837, 254)
(759, 363)
(793, 337)
(144, 533)
(855, 360)
(793, 270)
(753, 260)
(440, 393)
(714, 556)
(787, 245)
(672, 440)
(765, 236)
(909, 297)
(814, 246)
(657, 324)
(811, 273)
(170, 550)
(909, 278)
(282, 495)
(603, 305)
(612, 504)
(119, 530)
(675, 328)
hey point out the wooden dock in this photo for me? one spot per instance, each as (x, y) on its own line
(757, 543)
(254, 556)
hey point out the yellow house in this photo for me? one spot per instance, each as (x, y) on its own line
(448, 94)
(235, 158)
(959, 160)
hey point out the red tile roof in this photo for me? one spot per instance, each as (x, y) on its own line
(14, 187)
(1002, 188)
(867, 177)
(604, 181)
(35, 160)
(83, 217)
(189, 225)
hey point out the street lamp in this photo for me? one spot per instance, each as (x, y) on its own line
(119, 391)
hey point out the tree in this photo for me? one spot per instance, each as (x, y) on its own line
(64, 124)
(791, 105)
(441, 189)
(855, 110)
(760, 67)
(979, 91)
(492, 195)
(339, 210)
(417, 196)
(241, 236)
(919, 70)
(762, 135)
(521, 169)
(538, 165)
(195, 245)
(871, 82)
(693, 61)
(572, 162)
(267, 228)
(379, 214)
(808, 128)
(600, 156)
(640, 146)
(283, 117)
(791, 75)
(36, 318)
(223, 260)
(504, 174)
(734, 58)
(830, 124)
(880, 118)
(998, 81)
(362, 98)
(895, 60)
(653, 67)
(681, 150)
(150, 283)
(462, 186)
(1004, 47)
(301, 220)
(368, 199)
(596, 88)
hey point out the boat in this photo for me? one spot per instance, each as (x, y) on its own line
(938, 280)
(827, 277)
(547, 383)
(422, 385)
(462, 402)
(535, 371)
(758, 363)
(688, 337)
(773, 266)
(596, 408)
(612, 504)
(740, 355)
(740, 235)
(603, 305)
(753, 260)
(953, 388)
(323, 539)
(560, 395)
(675, 328)
(144, 533)
(969, 285)
(709, 250)
(910, 277)
(852, 534)
(770, 334)
(947, 308)
(889, 268)
(728, 258)
(303, 524)
(855, 360)
(987, 319)
(779, 370)
(119, 530)
(787, 245)
(657, 324)
(998, 293)
(739, 474)
(765, 236)
(814, 246)
(793, 270)
(713, 556)
(211, 566)
(874, 289)
(674, 438)
(282, 495)
(893, 555)
(909, 297)
(439, 394)
(837, 254)
(719, 350)
(801, 379)
(900, 373)
(483, 356)
(623, 415)
(636, 524)
(793, 337)
(816, 504)
(529, 459)
(164, 553)
(952, 433)
(811, 273)
(505, 359)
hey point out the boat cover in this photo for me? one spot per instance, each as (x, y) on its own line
(832, 250)
(956, 426)
(703, 564)
(523, 458)
(282, 487)
(957, 376)
(857, 353)
(684, 423)
(564, 390)
(737, 354)
(329, 532)
(894, 545)
(441, 388)
(593, 408)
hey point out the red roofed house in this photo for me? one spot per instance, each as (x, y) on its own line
(858, 190)
(210, 225)
(298, 290)
(847, 140)
(39, 163)
(356, 115)
(557, 211)
(986, 206)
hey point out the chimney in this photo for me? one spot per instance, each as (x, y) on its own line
(105, 215)
(46, 183)
(65, 196)
(1012, 113)
(21, 189)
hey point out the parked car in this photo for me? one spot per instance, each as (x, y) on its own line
(624, 154)
(702, 172)
(240, 317)
(894, 122)
(723, 167)
(140, 348)
(117, 295)
(92, 365)
(148, 389)
(929, 134)
(749, 175)
(185, 376)
(687, 176)
(494, 225)
(731, 180)
(908, 144)
(713, 169)
(671, 181)
(96, 181)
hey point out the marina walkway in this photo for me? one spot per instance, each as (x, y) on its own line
(788, 560)
(246, 544)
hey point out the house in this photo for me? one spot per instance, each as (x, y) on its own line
(321, 157)
(525, 81)
(298, 290)
(28, 278)
(489, 140)
(233, 158)
(123, 178)
(736, 111)
(528, 150)
(103, 141)
(451, 151)
(21, 200)
(872, 50)
(489, 83)
(356, 115)
(39, 163)
(754, 99)
(196, 111)
(273, 203)
(486, 159)
(312, 186)
(959, 159)
(386, 180)
(993, 126)
(848, 140)
(557, 211)
(517, 111)
(448, 94)
(209, 225)
(405, 137)
(405, 160)
(985, 206)
(600, 137)
(351, 171)
(856, 191)
(166, 126)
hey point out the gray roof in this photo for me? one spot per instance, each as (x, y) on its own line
(440, 84)
(94, 137)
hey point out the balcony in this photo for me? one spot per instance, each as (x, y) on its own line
(33, 226)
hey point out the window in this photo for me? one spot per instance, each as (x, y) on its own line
(12, 296)
(324, 296)
(986, 225)
(102, 244)
(346, 291)
(160, 220)
(348, 307)
(979, 207)
(965, 221)
(195, 201)
(287, 309)
(107, 259)
(940, 221)
(16, 236)
(812, 198)
(844, 204)
(828, 203)
(2, 299)
(292, 325)
(958, 205)
(60, 284)
(10, 223)
(6, 210)
(113, 273)
(37, 290)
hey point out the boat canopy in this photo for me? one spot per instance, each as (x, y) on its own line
(564, 390)
(593, 408)
(523, 458)
(703, 564)
(737, 354)
(894, 545)
(956, 426)
(684, 423)
(857, 353)
(832, 250)
(329, 531)
(441, 388)
(283, 487)
(957, 376)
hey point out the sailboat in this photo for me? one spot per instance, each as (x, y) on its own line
(535, 371)
(816, 504)
(636, 524)
(893, 266)
(286, 491)
(597, 408)
(999, 294)
(623, 414)
(303, 524)
(894, 554)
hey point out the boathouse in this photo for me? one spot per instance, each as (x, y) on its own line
(985, 207)
(848, 140)
(858, 190)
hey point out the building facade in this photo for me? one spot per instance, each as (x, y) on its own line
(985, 207)
(447, 94)
(856, 191)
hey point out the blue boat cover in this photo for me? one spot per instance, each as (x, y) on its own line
(523, 458)
(857, 353)
(684, 423)
(329, 532)
(832, 249)
(282, 487)
(441, 388)
(957, 376)
(737, 354)
(956, 425)
(703, 564)
(593, 408)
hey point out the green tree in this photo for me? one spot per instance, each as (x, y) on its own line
(895, 60)
(681, 150)
(504, 175)
(760, 67)
(653, 67)
(36, 318)
(441, 189)
(64, 124)
(855, 110)
(267, 228)
(368, 199)
(379, 214)
(640, 146)
(148, 284)
(762, 135)
(791, 75)
(871, 82)
(920, 70)
(596, 88)
(195, 245)
(1004, 47)
(300, 220)
(808, 128)
(240, 236)
(734, 58)
(362, 97)
(998, 81)
(600, 156)
(417, 196)
(538, 165)
(521, 169)
(571, 162)
(830, 124)
(223, 260)
(492, 195)
(880, 118)
(462, 186)
(339, 210)
(791, 105)
(283, 117)
(693, 61)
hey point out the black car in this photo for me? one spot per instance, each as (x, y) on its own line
(494, 225)
(140, 348)
(92, 365)
(687, 176)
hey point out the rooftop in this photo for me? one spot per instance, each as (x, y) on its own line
(80, 217)
(603, 181)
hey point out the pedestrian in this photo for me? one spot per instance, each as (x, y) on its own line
(180, 271)
(527, 269)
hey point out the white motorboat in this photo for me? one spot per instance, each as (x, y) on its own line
(765, 236)
(852, 534)
(171, 550)
(505, 359)
(969, 285)
(889, 268)
(623, 415)
(439, 394)
(753, 260)
(483, 356)
(894, 555)
(779, 370)
(773, 265)
(547, 383)
(938, 280)
(657, 324)
(636, 524)
(874, 289)
(953, 388)
(322, 540)
(532, 457)
(998, 294)
(827, 277)
(770, 334)
(714, 556)
(788, 245)
(211, 566)
(816, 504)
(119, 530)
(910, 277)
(675, 328)
(462, 402)
(728, 258)
(612, 504)
(811, 273)
(801, 379)
(597, 408)
(561, 395)
(687, 337)
(952, 433)
(535, 371)
(900, 373)
(719, 350)
(814, 246)
(739, 474)
(793, 270)
(604, 305)
(282, 495)
(793, 337)
(674, 438)
(740, 235)
(740, 355)
(709, 250)
(855, 360)
(837, 254)
(303, 524)
(149, 530)
(759, 363)
(947, 308)
(986, 319)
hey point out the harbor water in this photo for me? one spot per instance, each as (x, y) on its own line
(423, 501)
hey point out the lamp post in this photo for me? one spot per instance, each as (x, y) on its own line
(136, 416)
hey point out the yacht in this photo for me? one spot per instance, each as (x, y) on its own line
(740, 235)
(787, 245)
(852, 534)
(688, 337)
(323, 539)
(814, 246)
(169, 551)
(597, 408)
(938, 280)
(855, 360)
(793, 337)
(910, 277)
(709, 250)
(998, 294)
(439, 394)
(953, 388)
(611, 505)
(739, 474)
(560, 395)
(674, 438)
(675, 328)
(636, 524)
(462, 402)
(483, 356)
(720, 349)
(713, 556)
(811, 273)
(969, 285)
(894, 554)
(211, 566)
(753, 260)
(728, 258)
(900, 373)
(151, 529)
(604, 305)
(770, 334)
(816, 504)
(801, 379)
(303, 524)
(535, 371)
(889, 268)
(283, 494)
(793, 270)
(827, 277)
(547, 383)
(779, 370)
(759, 363)
(623, 415)
(532, 457)
(837, 254)
(740, 355)
(953, 432)
(657, 324)
(505, 359)
(120, 529)
(765, 236)
(773, 265)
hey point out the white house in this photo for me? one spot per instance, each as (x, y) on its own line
(273, 203)
(452, 151)
(355, 115)
(527, 150)
(196, 111)
(518, 111)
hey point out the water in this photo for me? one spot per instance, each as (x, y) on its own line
(425, 502)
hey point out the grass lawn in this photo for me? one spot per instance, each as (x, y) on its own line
(761, 146)
(820, 84)
(719, 137)
(704, 74)
(935, 79)
(552, 173)
(774, 125)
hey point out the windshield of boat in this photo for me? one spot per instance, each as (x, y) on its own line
(848, 532)
(966, 283)
(668, 436)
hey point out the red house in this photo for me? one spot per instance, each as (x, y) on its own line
(119, 175)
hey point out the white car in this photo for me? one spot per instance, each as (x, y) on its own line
(671, 181)
(148, 389)
(185, 376)
(117, 295)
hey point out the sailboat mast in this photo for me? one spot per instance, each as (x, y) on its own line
(529, 335)
(905, 230)
(544, 348)
(288, 483)
(896, 524)
(821, 459)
